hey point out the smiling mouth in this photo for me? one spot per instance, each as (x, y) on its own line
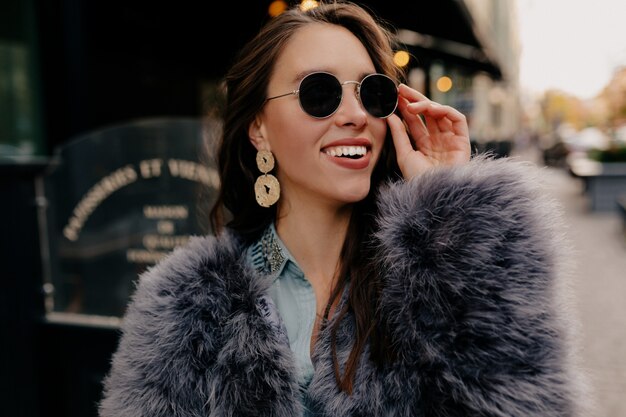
(351, 152)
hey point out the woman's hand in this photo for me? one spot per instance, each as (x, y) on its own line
(441, 139)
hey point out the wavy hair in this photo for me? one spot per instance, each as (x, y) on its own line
(236, 206)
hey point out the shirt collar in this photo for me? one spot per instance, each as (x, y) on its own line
(276, 255)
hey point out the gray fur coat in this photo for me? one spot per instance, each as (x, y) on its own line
(473, 296)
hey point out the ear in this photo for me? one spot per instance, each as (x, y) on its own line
(256, 133)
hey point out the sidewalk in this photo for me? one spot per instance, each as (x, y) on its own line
(599, 284)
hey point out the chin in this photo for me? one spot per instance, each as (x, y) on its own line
(355, 195)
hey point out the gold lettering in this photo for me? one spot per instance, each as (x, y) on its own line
(130, 175)
(166, 212)
(152, 241)
(70, 233)
(142, 256)
(193, 171)
(150, 168)
(165, 227)
(96, 194)
(107, 185)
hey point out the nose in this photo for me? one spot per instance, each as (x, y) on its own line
(351, 111)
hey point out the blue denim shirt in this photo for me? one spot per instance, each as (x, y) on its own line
(293, 296)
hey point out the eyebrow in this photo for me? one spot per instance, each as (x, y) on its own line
(299, 76)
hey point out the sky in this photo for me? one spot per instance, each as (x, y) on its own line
(571, 45)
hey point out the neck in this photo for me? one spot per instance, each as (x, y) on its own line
(314, 234)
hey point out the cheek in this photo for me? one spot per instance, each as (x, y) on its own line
(293, 132)
(379, 133)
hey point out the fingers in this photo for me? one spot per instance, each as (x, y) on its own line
(419, 103)
(436, 110)
(437, 138)
(437, 116)
(411, 94)
(413, 120)
(444, 118)
(400, 136)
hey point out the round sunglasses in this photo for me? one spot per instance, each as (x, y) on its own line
(320, 94)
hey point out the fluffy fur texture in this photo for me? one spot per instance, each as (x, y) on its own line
(472, 298)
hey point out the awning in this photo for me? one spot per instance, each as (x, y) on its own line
(441, 29)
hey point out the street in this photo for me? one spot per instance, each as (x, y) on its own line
(599, 287)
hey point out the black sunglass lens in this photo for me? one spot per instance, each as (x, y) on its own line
(379, 95)
(320, 94)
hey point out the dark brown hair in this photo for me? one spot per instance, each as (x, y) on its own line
(246, 86)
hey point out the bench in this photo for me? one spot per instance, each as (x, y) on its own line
(604, 182)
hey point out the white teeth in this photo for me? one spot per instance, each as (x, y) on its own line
(346, 150)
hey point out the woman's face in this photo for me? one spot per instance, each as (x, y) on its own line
(304, 146)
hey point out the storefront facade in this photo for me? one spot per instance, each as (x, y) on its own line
(99, 94)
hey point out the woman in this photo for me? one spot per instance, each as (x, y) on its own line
(367, 266)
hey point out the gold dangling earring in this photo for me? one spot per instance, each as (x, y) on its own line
(266, 187)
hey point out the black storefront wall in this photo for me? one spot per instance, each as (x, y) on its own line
(47, 369)
(109, 62)
(117, 200)
(21, 299)
(71, 362)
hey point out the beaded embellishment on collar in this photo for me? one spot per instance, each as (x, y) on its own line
(272, 253)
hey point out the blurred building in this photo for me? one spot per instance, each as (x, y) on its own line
(478, 77)
(496, 118)
(71, 67)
